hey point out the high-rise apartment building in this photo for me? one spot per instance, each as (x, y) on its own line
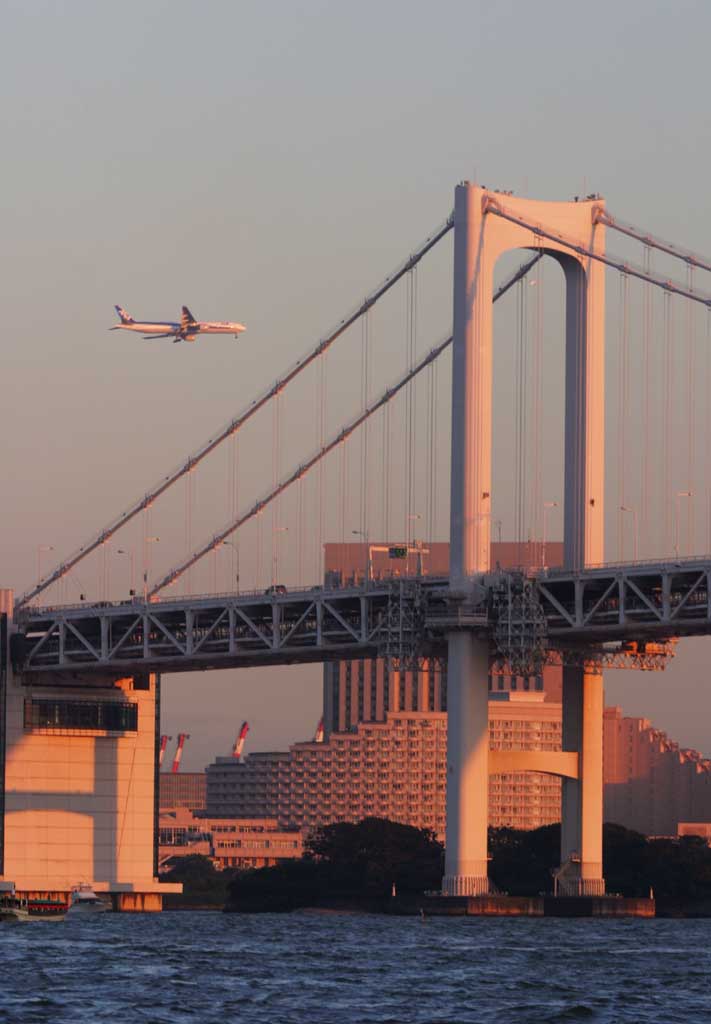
(651, 783)
(393, 769)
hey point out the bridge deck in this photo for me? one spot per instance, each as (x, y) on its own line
(583, 609)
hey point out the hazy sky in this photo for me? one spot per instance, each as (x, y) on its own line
(269, 162)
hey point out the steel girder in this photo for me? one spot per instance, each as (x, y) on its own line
(206, 633)
(581, 614)
(653, 601)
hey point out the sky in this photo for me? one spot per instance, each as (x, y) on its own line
(270, 163)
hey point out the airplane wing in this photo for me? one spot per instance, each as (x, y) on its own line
(150, 337)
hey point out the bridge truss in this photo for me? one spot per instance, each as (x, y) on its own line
(620, 616)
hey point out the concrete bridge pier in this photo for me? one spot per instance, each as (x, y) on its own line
(467, 766)
(581, 827)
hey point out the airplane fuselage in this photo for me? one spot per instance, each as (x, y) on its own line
(147, 327)
(186, 329)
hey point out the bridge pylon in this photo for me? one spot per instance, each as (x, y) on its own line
(486, 225)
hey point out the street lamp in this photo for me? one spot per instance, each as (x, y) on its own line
(547, 506)
(635, 550)
(275, 549)
(364, 535)
(146, 542)
(412, 517)
(222, 544)
(40, 549)
(235, 548)
(131, 567)
(679, 494)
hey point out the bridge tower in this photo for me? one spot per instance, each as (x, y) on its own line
(486, 225)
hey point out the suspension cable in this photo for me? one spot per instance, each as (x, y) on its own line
(340, 438)
(624, 266)
(234, 425)
(603, 216)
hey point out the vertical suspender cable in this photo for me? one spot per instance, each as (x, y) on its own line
(410, 401)
(188, 526)
(622, 412)
(521, 414)
(386, 474)
(435, 493)
(517, 420)
(145, 557)
(646, 372)
(276, 511)
(344, 489)
(300, 534)
(260, 545)
(430, 454)
(365, 396)
(691, 412)
(234, 548)
(536, 407)
(320, 490)
(667, 423)
(707, 430)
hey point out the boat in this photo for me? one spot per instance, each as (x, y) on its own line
(31, 908)
(85, 901)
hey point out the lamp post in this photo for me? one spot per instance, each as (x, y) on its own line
(635, 548)
(131, 567)
(40, 549)
(412, 517)
(146, 549)
(679, 494)
(235, 548)
(368, 568)
(275, 549)
(547, 506)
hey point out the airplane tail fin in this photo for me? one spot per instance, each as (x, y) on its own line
(123, 316)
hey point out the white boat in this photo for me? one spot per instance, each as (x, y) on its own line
(85, 901)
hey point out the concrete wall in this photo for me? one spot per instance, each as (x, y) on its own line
(79, 802)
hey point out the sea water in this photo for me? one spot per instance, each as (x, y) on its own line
(305, 968)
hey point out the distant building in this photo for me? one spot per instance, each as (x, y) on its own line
(229, 842)
(183, 789)
(394, 769)
(256, 787)
(651, 783)
(702, 829)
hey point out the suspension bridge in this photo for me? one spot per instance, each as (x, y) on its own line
(379, 470)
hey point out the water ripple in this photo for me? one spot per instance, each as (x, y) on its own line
(354, 969)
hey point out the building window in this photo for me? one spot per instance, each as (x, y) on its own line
(81, 714)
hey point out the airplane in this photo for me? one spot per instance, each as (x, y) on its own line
(186, 330)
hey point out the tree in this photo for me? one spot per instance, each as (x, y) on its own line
(372, 855)
(203, 884)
